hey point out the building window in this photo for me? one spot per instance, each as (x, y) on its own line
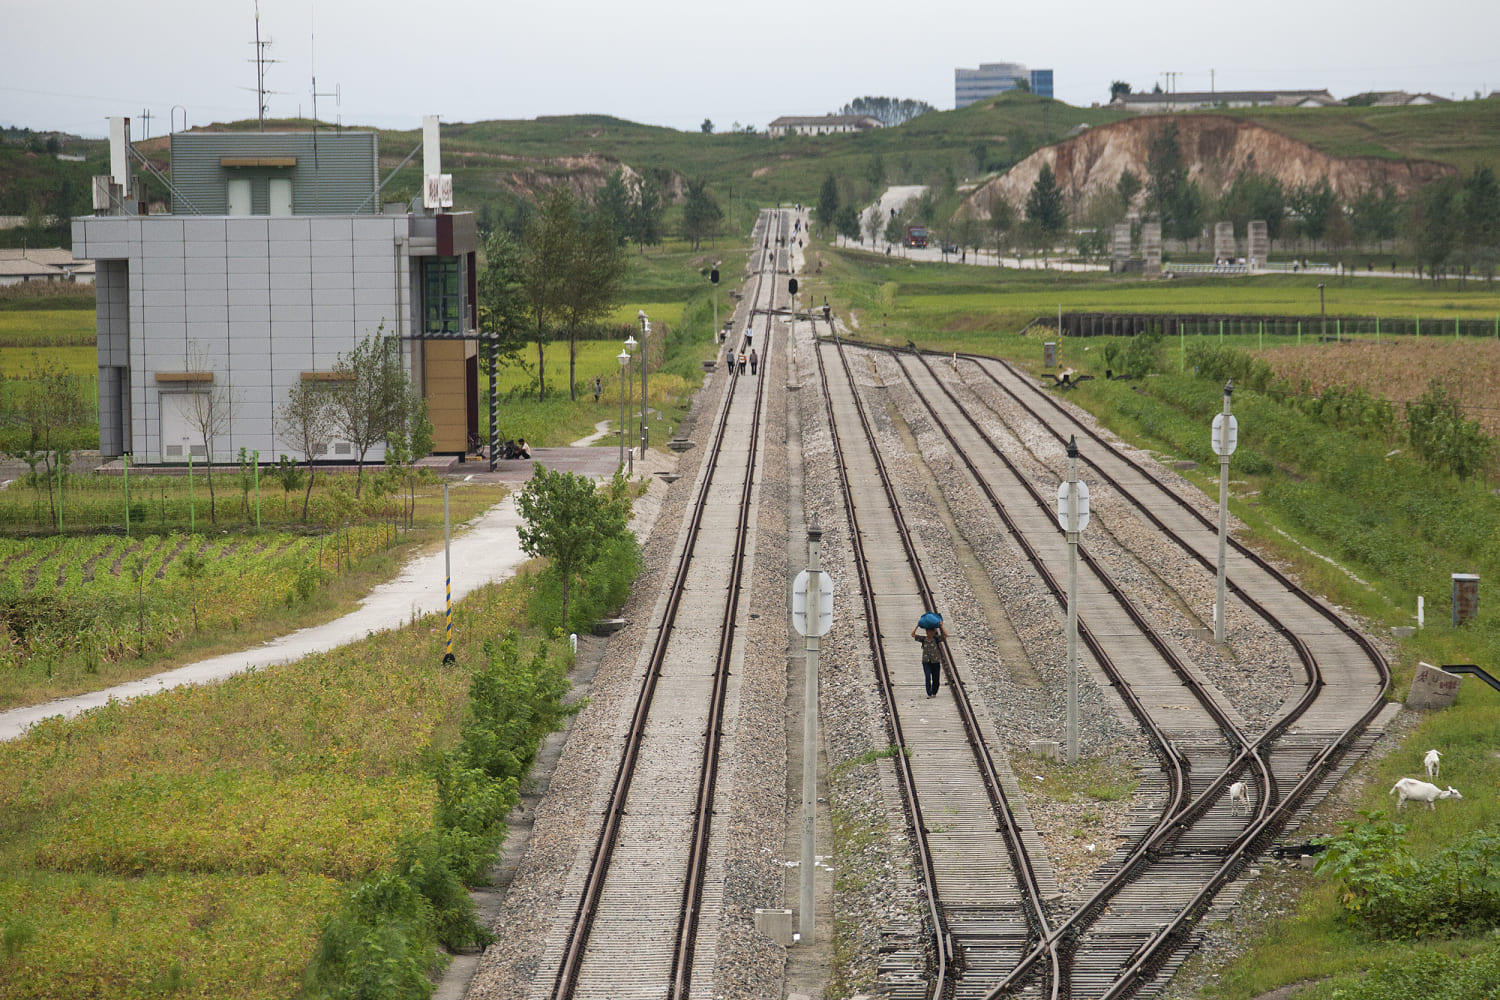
(442, 296)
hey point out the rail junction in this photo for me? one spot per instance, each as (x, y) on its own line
(666, 824)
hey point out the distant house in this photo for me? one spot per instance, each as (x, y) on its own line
(277, 257)
(16, 269)
(1401, 99)
(1192, 100)
(821, 125)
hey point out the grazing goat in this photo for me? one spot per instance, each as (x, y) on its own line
(1239, 795)
(1422, 791)
(1431, 762)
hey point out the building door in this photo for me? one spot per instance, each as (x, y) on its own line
(239, 196)
(280, 191)
(179, 436)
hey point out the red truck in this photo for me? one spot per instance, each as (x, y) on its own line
(916, 236)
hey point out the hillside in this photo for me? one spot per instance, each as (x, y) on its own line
(1215, 148)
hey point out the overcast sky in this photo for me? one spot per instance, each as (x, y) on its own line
(70, 64)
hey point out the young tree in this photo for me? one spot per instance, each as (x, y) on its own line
(1002, 224)
(1375, 214)
(875, 171)
(209, 412)
(707, 128)
(305, 420)
(1126, 188)
(894, 231)
(370, 396)
(1434, 223)
(1480, 233)
(613, 206)
(649, 207)
(545, 251)
(1316, 205)
(872, 225)
(502, 294)
(827, 210)
(570, 522)
(593, 271)
(1045, 212)
(1169, 194)
(846, 222)
(701, 214)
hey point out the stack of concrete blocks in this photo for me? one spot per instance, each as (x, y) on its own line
(1224, 248)
(1259, 245)
(1119, 247)
(1151, 246)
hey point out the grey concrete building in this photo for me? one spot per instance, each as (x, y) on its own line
(276, 257)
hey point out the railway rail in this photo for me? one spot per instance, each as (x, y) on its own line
(643, 895)
(1132, 928)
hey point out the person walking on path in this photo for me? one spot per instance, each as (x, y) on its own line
(742, 362)
(932, 659)
(597, 388)
(753, 361)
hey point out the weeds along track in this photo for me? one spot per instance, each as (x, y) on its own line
(1140, 922)
(645, 924)
(983, 893)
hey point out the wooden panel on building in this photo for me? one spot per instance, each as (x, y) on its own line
(446, 391)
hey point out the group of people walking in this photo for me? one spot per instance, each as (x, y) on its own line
(745, 356)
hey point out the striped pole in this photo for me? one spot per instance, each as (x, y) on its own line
(257, 489)
(126, 459)
(448, 658)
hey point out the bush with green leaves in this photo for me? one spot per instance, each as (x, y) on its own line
(1391, 894)
(1430, 975)
(1437, 430)
(383, 942)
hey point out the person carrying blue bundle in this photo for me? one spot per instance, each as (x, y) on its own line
(932, 659)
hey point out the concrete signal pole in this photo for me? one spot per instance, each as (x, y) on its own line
(1072, 527)
(812, 616)
(1225, 433)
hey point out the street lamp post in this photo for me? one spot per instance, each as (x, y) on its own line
(630, 346)
(624, 358)
(645, 362)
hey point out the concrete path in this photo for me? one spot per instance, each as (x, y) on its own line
(485, 550)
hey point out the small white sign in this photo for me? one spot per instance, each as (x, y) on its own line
(1083, 505)
(1234, 434)
(825, 604)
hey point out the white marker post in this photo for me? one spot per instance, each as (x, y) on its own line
(812, 616)
(1224, 438)
(1073, 517)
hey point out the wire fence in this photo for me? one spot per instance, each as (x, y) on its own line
(1315, 328)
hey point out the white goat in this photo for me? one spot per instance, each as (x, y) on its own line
(1239, 794)
(1422, 791)
(1431, 762)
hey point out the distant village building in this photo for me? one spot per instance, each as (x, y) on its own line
(51, 264)
(993, 79)
(821, 125)
(1401, 99)
(1192, 100)
(276, 257)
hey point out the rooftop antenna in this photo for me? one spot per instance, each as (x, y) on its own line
(260, 70)
(337, 94)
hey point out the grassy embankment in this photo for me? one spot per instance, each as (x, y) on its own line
(1367, 528)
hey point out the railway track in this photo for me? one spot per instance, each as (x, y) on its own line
(645, 901)
(646, 921)
(1141, 920)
